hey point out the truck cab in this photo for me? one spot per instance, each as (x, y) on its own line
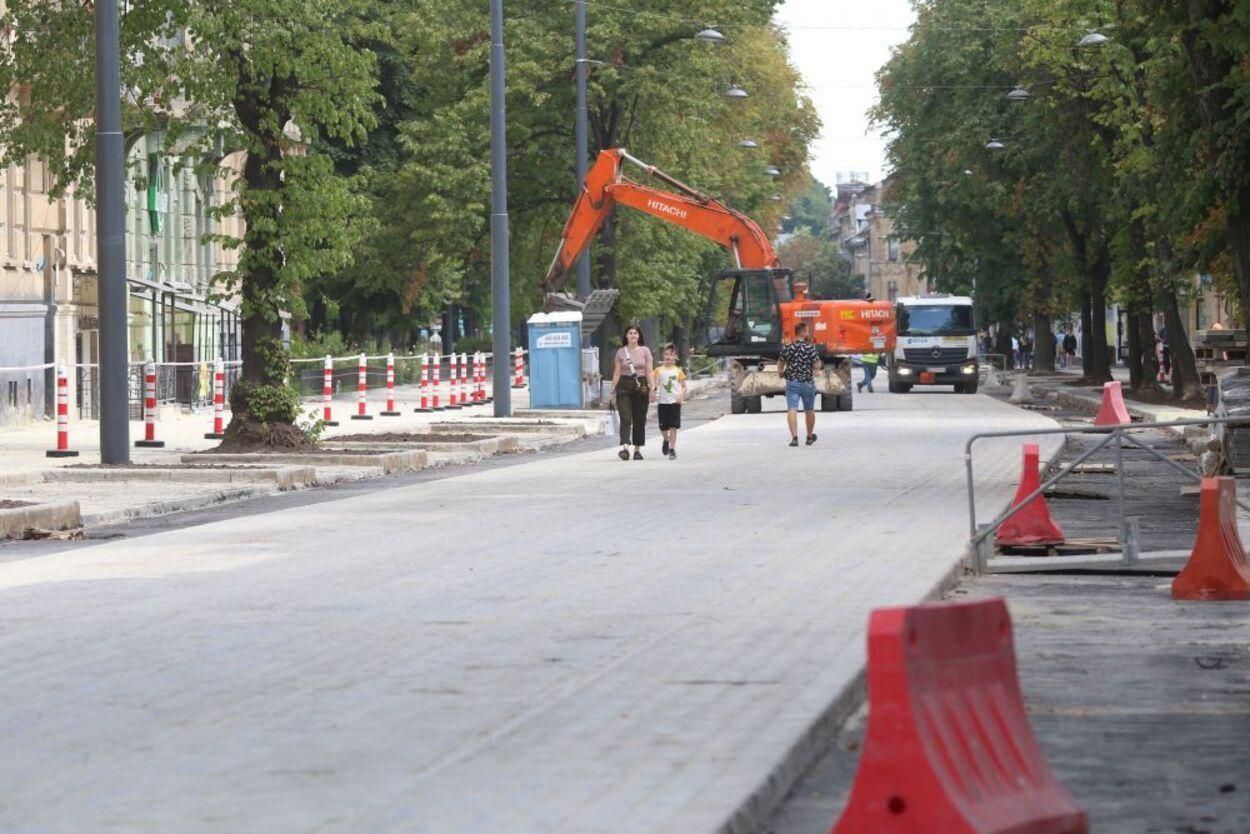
(936, 345)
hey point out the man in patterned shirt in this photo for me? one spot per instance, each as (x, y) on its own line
(798, 363)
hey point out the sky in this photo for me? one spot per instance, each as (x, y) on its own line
(838, 45)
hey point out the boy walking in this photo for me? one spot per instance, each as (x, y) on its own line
(670, 393)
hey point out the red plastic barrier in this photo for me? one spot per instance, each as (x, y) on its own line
(219, 402)
(1217, 568)
(1113, 411)
(949, 749)
(1033, 524)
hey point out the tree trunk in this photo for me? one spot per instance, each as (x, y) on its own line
(1100, 273)
(1239, 243)
(1002, 344)
(1087, 353)
(1149, 358)
(1043, 343)
(1134, 352)
(1185, 382)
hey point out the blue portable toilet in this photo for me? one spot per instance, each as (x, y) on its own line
(556, 359)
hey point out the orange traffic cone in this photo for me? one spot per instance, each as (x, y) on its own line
(1112, 411)
(1033, 524)
(1217, 567)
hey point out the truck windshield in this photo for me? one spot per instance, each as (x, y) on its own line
(935, 320)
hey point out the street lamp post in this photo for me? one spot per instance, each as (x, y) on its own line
(499, 283)
(111, 238)
(581, 138)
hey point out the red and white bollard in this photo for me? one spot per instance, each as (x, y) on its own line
(62, 449)
(219, 402)
(453, 383)
(390, 387)
(362, 383)
(437, 361)
(149, 440)
(518, 369)
(464, 380)
(477, 377)
(327, 392)
(425, 385)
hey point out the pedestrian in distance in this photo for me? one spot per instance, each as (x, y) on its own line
(631, 386)
(869, 361)
(798, 363)
(1069, 348)
(669, 392)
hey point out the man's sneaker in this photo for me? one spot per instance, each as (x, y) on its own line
(623, 454)
(664, 448)
(637, 455)
(811, 438)
(794, 441)
(672, 454)
(859, 386)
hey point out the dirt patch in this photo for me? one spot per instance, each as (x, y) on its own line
(401, 437)
(6, 504)
(264, 437)
(1153, 396)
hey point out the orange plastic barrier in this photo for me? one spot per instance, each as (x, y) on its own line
(1217, 568)
(949, 747)
(1113, 411)
(1033, 524)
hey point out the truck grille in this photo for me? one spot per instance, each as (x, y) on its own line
(935, 356)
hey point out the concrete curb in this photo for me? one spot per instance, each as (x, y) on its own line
(518, 427)
(285, 477)
(1090, 402)
(387, 462)
(752, 816)
(175, 505)
(59, 515)
(487, 446)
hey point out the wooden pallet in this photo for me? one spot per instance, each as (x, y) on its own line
(1071, 547)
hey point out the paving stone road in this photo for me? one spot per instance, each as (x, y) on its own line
(574, 644)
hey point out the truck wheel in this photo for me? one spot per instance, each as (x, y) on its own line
(846, 402)
(828, 402)
(737, 404)
(754, 405)
(967, 387)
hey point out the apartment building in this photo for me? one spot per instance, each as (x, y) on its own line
(866, 235)
(49, 282)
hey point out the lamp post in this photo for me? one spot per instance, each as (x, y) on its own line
(111, 238)
(501, 301)
(580, 137)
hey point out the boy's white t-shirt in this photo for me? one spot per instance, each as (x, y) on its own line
(668, 384)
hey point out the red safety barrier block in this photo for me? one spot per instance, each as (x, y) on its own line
(1112, 411)
(949, 749)
(1217, 568)
(1033, 524)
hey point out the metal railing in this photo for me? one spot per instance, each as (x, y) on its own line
(981, 542)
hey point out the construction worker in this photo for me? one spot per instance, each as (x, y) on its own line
(870, 361)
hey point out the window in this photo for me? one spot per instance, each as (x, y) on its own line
(891, 248)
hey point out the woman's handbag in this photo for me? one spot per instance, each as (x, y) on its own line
(643, 384)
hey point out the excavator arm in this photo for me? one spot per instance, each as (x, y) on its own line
(606, 187)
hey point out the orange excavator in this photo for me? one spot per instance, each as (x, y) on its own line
(763, 301)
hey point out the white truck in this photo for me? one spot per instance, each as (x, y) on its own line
(936, 345)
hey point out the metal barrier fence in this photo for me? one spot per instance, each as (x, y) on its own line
(981, 543)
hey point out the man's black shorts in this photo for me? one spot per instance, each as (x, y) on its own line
(669, 415)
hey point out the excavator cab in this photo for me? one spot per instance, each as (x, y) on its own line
(746, 301)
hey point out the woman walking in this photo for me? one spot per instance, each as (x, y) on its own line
(631, 385)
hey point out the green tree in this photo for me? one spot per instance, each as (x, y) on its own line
(817, 262)
(810, 210)
(266, 77)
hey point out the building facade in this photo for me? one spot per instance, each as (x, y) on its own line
(866, 236)
(49, 283)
